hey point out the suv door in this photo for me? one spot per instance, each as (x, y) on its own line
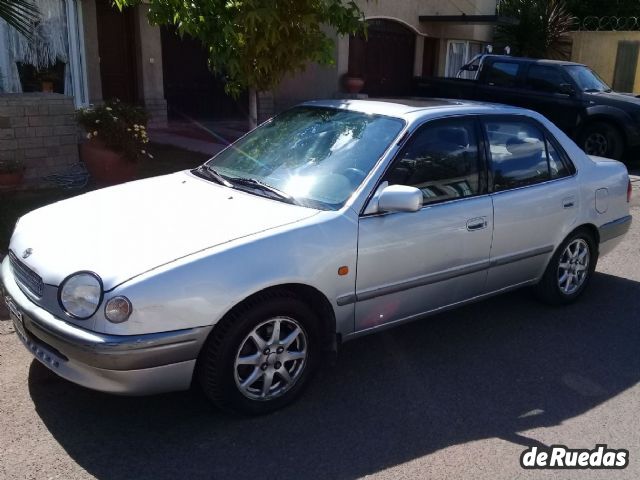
(412, 263)
(551, 92)
(501, 81)
(535, 198)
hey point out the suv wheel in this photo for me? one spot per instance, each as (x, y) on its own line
(602, 140)
(569, 270)
(261, 356)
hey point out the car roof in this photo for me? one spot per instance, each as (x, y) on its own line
(402, 107)
(541, 61)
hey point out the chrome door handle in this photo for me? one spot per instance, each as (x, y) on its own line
(476, 224)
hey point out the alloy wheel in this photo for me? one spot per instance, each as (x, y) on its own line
(271, 359)
(573, 266)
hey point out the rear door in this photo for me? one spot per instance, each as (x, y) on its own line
(501, 82)
(535, 198)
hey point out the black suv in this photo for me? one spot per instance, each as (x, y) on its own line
(601, 121)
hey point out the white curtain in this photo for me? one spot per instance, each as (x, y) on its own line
(456, 56)
(50, 43)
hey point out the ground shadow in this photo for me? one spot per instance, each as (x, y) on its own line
(492, 369)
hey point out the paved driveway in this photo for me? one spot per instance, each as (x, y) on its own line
(459, 395)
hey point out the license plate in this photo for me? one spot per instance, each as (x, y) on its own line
(16, 315)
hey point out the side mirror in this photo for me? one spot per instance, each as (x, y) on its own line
(400, 198)
(567, 89)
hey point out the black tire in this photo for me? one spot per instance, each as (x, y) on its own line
(216, 365)
(603, 140)
(548, 289)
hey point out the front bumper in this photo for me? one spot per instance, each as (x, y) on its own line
(124, 364)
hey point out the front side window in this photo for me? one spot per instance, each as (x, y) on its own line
(441, 159)
(316, 155)
(545, 79)
(503, 74)
(521, 155)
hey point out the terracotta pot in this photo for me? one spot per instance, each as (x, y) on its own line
(47, 86)
(354, 84)
(106, 166)
(11, 179)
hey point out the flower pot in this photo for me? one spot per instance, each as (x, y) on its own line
(353, 84)
(47, 86)
(105, 165)
(11, 179)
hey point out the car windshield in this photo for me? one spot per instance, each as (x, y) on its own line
(316, 156)
(587, 79)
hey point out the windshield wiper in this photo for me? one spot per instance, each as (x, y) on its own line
(210, 173)
(252, 182)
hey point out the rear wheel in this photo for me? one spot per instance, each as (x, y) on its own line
(603, 140)
(569, 270)
(261, 356)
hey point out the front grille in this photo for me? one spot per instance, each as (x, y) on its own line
(25, 276)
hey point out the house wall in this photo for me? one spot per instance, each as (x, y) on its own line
(92, 57)
(325, 82)
(39, 130)
(598, 51)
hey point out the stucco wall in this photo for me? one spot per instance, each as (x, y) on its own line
(599, 49)
(324, 82)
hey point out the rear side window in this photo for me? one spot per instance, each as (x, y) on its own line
(441, 159)
(521, 155)
(545, 79)
(503, 74)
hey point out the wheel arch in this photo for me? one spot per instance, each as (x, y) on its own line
(314, 298)
(608, 119)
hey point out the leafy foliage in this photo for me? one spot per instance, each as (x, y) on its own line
(603, 8)
(255, 43)
(20, 14)
(119, 126)
(543, 29)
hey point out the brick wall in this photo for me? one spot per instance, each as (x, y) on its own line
(38, 129)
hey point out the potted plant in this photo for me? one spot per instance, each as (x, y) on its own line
(11, 173)
(116, 140)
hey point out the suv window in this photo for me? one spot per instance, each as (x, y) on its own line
(442, 160)
(521, 154)
(545, 79)
(503, 74)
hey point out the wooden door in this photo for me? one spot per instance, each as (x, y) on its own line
(386, 58)
(116, 42)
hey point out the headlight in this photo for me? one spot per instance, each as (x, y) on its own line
(118, 309)
(80, 294)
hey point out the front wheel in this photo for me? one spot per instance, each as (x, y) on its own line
(569, 270)
(261, 356)
(602, 140)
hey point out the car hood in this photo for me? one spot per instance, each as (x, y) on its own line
(614, 99)
(123, 231)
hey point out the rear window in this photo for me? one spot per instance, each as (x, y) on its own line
(503, 74)
(521, 154)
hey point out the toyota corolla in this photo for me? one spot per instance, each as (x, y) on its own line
(333, 220)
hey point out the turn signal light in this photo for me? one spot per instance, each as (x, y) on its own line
(342, 271)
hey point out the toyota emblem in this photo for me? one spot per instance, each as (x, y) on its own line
(27, 253)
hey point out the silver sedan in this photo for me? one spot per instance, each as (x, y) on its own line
(332, 220)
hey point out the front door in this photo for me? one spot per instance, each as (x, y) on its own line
(535, 199)
(413, 263)
(116, 42)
